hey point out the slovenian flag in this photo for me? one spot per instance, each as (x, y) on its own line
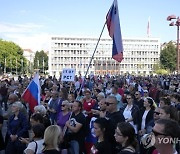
(113, 25)
(31, 94)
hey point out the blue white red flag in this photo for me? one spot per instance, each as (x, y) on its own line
(113, 25)
(32, 93)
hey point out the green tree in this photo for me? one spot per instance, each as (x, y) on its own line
(11, 57)
(168, 57)
(41, 61)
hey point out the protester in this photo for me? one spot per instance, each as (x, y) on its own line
(114, 117)
(169, 129)
(64, 115)
(17, 127)
(36, 146)
(169, 112)
(125, 135)
(101, 130)
(131, 112)
(76, 129)
(53, 106)
(146, 115)
(52, 140)
(105, 106)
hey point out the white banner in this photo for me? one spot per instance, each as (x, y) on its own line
(68, 74)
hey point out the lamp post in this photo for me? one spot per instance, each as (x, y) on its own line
(176, 23)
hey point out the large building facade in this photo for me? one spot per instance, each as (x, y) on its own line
(140, 55)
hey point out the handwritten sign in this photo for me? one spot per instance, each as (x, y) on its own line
(68, 74)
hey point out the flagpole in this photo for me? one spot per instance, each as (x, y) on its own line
(92, 56)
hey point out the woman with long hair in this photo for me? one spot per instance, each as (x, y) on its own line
(101, 131)
(131, 112)
(126, 137)
(146, 115)
(52, 139)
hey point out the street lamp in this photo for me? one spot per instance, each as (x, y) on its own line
(176, 23)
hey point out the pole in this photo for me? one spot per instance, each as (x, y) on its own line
(22, 65)
(178, 47)
(16, 66)
(43, 65)
(11, 66)
(4, 65)
(92, 56)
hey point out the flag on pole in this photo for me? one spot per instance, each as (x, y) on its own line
(148, 27)
(32, 93)
(113, 25)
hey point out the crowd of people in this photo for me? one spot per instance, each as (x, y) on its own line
(93, 115)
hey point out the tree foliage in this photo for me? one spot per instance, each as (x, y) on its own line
(41, 61)
(11, 57)
(168, 57)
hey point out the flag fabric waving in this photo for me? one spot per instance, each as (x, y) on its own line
(113, 25)
(32, 93)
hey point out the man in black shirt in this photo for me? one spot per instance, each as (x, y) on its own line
(76, 126)
(114, 117)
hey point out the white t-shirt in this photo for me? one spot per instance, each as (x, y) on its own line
(127, 115)
(32, 146)
(144, 119)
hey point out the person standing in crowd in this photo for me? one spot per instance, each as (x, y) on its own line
(88, 104)
(169, 112)
(53, 106)
(138, 100)
(125, 136)
(118, 97)
(42, 110)
(71, 98)
(146, 93)
(64, 115)
(46, 97)
(35, 119)
(52, 140)
(113, 114)
(164, 101)
(76, 126)
(131, 112)
(151, 124)
(166, 128)
(63, 95)
(146, 115)
(101, 131)
(4, 94)
(114, 117)
(100, 96)
(101, 111)
(36, 146)
(45, 85)
(96, 92)
(11, 99)
(176, 100)
(17, 127)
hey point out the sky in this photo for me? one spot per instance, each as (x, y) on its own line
(30, 23)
